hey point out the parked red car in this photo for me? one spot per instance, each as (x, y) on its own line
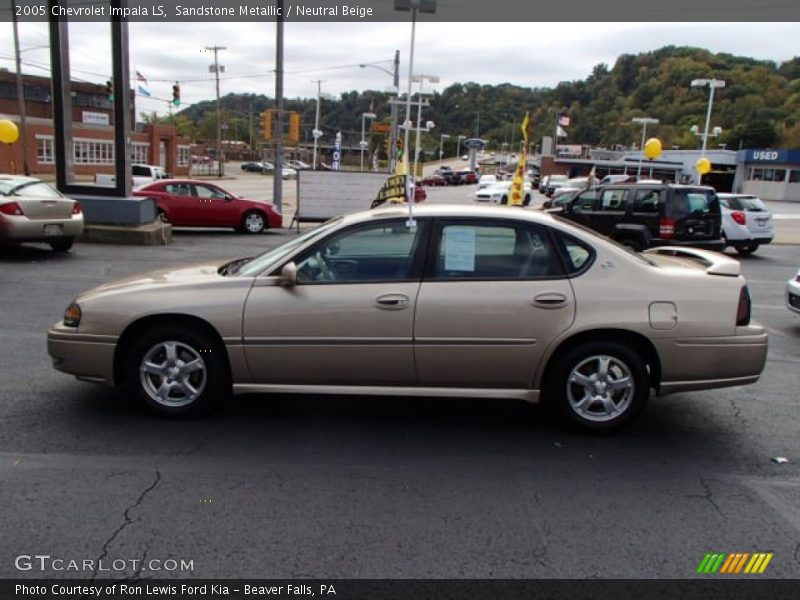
(420, 195)
(185, 202)
(434, 180)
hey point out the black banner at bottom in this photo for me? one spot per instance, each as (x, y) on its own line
(404, 589)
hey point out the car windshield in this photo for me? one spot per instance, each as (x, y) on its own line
(35, 189)
(257, 264)
(577, 182)
(557, 178)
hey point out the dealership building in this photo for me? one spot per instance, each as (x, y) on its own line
(92, 132)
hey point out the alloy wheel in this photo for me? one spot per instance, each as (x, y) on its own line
(600, 388)
(173, 374)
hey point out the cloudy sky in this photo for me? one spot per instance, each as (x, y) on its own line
(526, 54)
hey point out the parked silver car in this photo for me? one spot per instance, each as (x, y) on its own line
(33, 211)
(474, 301)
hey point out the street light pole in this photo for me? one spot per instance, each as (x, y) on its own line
(442, 138)
(363, 142)
(277, 179)
(20, 97)
(644, 121)
(712, 85)
(316, 133)
(458, 144)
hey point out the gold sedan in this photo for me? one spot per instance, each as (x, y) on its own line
(33, 211)
(472, 301)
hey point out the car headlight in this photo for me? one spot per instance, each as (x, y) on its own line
(72, 316)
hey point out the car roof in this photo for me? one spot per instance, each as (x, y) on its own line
(453, 210)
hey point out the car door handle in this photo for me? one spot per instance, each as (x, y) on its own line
(549, 300)
(392, 301)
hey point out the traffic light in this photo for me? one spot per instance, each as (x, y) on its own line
(110, 90)
(294, 128)
(176, 94)
(267, 123)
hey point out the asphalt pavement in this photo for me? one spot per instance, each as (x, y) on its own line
(370, 487)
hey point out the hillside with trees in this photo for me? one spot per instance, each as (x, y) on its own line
(759, 107)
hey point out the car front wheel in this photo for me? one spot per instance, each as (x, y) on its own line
(176, 372)
(600, 385)
(254, 222)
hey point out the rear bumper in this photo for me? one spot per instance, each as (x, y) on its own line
(23, 229)
(85, 356)
(707, 363)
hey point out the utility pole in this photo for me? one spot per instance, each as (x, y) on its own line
(250, 116)
(216, 69)
(20, 97)
(393, 134)
(277, 179)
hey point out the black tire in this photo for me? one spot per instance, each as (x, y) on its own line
(211, 381)
(61, 245)
(564, 393)
(254, 221)
(504, 200)
(527, 200)
(746, 250)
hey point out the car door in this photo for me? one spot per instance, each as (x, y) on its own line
(493, 297)
(581, 208)
(215, 207)
(179, 202)
(349, 318)
(611, 206)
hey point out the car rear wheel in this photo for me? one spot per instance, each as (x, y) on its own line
(747, 249)
(632, 244)
(600, 385)
(61, 245)
(254, 222)
(504, 200)
(176, 372)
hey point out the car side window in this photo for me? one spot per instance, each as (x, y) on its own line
(614, 200)
(576, 255)
(486, 250)
(383, 251)
(584, 202)
(178, 189)
(646, 201)
(204, 191)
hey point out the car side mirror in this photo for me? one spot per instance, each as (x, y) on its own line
(289, 274)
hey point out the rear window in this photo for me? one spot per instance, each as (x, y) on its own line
(36, 189)
(692, 202)
(744, 203)
(140, 171)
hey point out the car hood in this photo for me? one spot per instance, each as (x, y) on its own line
(176, 277)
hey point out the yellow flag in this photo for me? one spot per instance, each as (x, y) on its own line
(394, 189)
(518, 183)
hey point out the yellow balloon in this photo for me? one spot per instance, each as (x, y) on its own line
(8, 131)
(652, 148)
(703, 165)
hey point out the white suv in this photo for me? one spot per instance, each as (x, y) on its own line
(746, 222)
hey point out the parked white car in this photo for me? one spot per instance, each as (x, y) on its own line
(141, 175)
(746, 222)
(486, 181)
(500, 191)
(793, 293)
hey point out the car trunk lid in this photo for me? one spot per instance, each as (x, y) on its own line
(43, 209)
(713, 263)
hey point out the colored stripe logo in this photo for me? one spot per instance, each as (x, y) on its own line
(735, 563)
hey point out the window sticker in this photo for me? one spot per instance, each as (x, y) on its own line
(459, 249)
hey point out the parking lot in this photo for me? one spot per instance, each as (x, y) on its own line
(370, 487)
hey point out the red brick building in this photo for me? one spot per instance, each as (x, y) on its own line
(92, 132)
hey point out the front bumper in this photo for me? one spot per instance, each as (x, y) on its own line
(707, 363)
(85, 356)
(793, 296)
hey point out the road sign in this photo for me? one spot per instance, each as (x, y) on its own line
(476, 143)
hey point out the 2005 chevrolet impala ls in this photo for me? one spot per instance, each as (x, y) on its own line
(492, 302)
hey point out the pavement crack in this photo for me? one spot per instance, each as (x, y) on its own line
(127, 520)
(709, 496)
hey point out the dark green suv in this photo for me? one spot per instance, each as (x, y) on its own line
(644, 215)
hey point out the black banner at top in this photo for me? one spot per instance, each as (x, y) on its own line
(306, 11)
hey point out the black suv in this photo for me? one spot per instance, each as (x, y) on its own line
(645, 215)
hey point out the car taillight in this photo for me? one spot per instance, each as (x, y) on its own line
(666, 228)
(738, 216)
(11, 208)
(76, 208)
(743, 310)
